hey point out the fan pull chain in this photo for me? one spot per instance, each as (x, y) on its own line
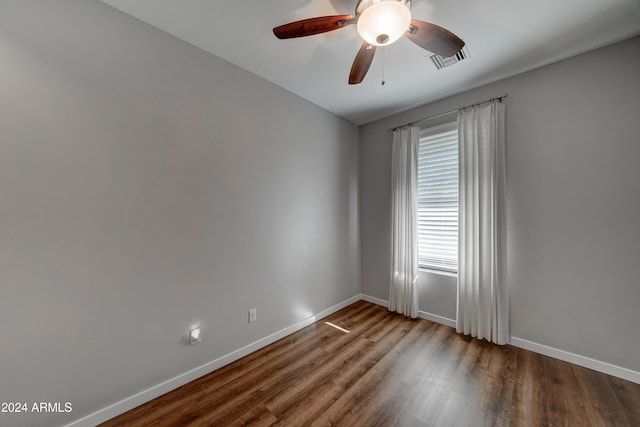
(384, 59)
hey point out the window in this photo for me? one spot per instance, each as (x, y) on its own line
(438, 198)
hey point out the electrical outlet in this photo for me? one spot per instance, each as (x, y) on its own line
(252, 315)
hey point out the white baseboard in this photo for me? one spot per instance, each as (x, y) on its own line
(576, 359)
(374, 300)
(421, 314)
(438, 319)
(144, 396)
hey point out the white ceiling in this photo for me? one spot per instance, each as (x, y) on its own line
(504, 37)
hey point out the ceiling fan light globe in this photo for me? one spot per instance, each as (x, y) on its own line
(384, 22)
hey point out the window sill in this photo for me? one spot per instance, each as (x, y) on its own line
(441, 272)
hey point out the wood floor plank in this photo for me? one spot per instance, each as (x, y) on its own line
(308, 407)
(379, 387)
(258, 416)
(604, 407)
(529, 395)
(388, 370)
(498, 398)
(627, 395)
(227, 405)
(562, 397)
(348, 377)
(301, 388)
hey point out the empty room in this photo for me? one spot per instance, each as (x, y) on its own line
(319, 213)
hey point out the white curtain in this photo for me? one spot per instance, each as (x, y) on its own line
(403, 292)
(483, 301)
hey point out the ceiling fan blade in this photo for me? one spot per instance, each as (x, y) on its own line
(311, 26)
(434, 38)
(362, 63)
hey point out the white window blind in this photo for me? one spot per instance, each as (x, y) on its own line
(438, 198)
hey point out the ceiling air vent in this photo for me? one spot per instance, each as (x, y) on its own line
(442, 62)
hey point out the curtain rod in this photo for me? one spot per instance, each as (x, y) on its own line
(498, 98)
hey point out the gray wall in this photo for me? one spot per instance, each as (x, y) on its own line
(573, 201)
(146, 186)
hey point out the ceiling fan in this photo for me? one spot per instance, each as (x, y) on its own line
(379, 23)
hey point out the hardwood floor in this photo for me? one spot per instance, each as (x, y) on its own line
(392, 371)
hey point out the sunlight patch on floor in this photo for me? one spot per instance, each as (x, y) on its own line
(337, 327)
